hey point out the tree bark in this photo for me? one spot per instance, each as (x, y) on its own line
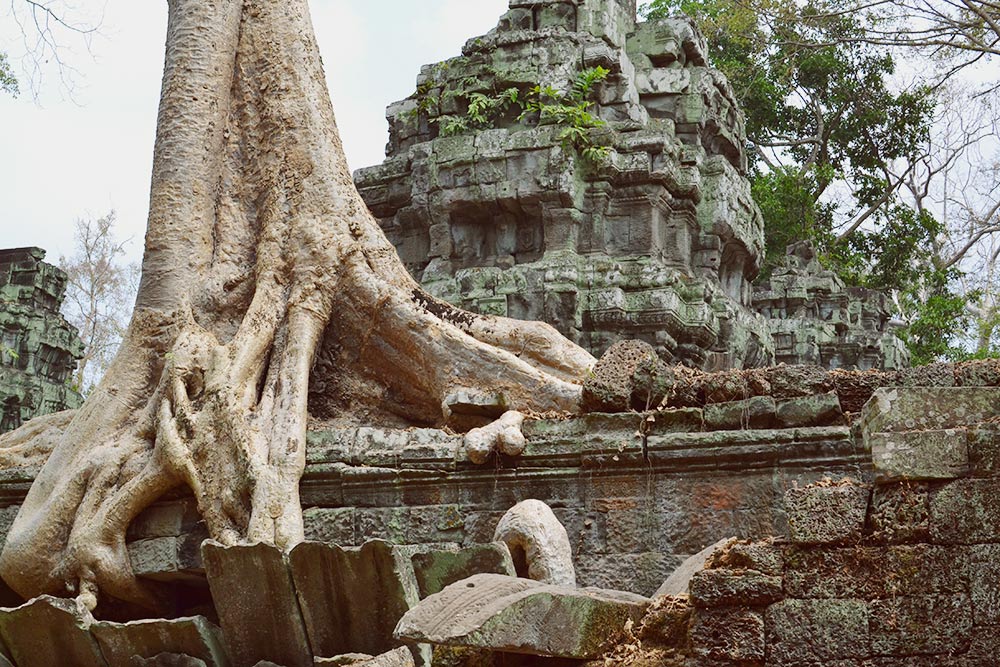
(258, 249)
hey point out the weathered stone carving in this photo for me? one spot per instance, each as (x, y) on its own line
(656, 237)
(816, 319)
(38, 347)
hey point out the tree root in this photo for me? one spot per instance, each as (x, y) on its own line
(260, 258)
(504, 435)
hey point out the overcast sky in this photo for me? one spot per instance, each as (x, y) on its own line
(61, 158)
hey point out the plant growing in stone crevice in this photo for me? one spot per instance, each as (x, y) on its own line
(572, 111)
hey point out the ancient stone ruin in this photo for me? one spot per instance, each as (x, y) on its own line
(775, 516)
(38, 347)
(816, 319)
(643, 228)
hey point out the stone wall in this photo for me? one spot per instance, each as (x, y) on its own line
(637, 491)
(900, 572)
(654, 237)
(883, 524)
(38, 347)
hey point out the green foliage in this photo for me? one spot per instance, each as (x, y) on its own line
(8, 82)
(485, 106)
(8, 352)
(572, 111)
(814, 97)
(791, 213)
(940, 317)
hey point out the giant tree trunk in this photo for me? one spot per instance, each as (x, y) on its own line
(258, 246)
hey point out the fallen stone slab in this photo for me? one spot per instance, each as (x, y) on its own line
(400, 657)
(194, 638)
(345, 660)
(679, 582)
(49, 631)
(512, 615)
(254, 595)
(352, 598)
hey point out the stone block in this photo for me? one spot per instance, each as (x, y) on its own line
(808, 632)
(171, 518)
(939, 374)
(827, 513)
(926, 624)
(259, 613)
(919, 455)
(984, 583)
(731, 588)
(640, 573)
(875, 572)
(169, 558)
(900, 513)
(984, 450)
(798, 381)
(434, 570)
(735, 634)
(680, 579)
(48, 631)
(629, 375)
(966, 511)
(351, 599)
(330, 525)
(815, 410)
(755, 412)
(765, 557)
(895, 409)
(978, 373)
(193, 637)
(523, 616)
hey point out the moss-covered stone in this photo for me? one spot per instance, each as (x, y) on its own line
(816, 632)
(921, 625)
(827, 513)
(39, 349)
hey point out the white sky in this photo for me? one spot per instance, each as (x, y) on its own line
(62, 159)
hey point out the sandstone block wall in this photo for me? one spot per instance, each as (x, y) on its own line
(899, 573)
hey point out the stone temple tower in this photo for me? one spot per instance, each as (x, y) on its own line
(38, 347)
(649, 234)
